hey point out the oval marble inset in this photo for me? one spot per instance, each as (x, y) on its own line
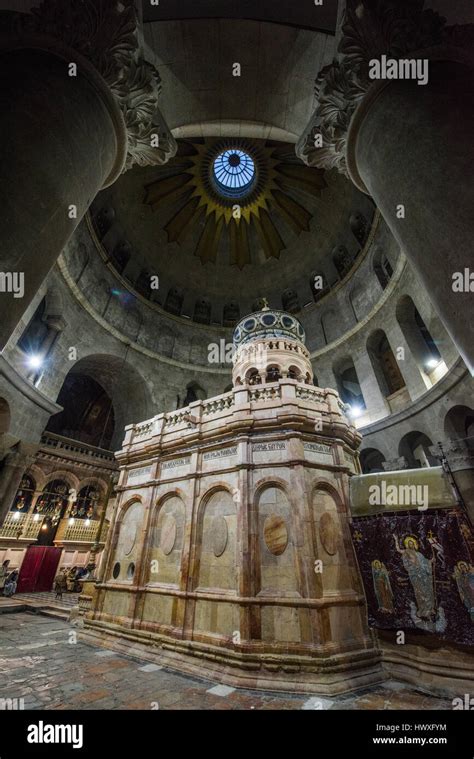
(275, 534)
(168, 534)
(220, 534)
(328, 533)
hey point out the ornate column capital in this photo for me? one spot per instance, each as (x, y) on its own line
(106, 34)
(371, 29)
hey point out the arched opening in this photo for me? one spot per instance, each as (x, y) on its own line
(371, 460)
(87, 415)
(459, 425)
(348, 385)
(273, 373)
(290, 302)
(385, 366)
(252, 377)
(87, 504)
(295, 374)
(194, 392)
(415, 447)
(342, 260)
(382, 268)
(101, 395)
(422, 345)
(35, 333)
(50, 508)
(25, 493)
(174, 301)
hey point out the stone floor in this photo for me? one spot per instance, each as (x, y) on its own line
(42, 662)
(66, 601)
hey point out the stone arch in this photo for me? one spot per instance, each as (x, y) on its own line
(371, 460)
(415, 447)
(387, 372)
(174, 301)
(194, 392)
(272, 373)
(63, 474)
(420, 342)
(459, 425)
(126, 398)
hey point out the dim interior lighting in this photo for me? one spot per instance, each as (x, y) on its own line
(355, 411)
(71, 520)
(432, 363)
(35, 361)
(44, 526)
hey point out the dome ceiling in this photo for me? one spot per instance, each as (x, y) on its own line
(229, 186)
(217, 245)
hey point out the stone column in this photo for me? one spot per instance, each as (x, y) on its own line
(408, 145)
(16, 462)
(80, 108)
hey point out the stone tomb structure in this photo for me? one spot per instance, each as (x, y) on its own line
(230, 552)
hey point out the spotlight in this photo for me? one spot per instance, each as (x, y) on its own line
(355, 411)
(71, 520)
(36, 518)
(35, 361)
(44, 526)
(87, 522)
(432, 363)
(16, 515)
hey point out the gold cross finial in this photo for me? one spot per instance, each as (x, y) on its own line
(265, 306)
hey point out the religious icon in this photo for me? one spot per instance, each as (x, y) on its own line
(382, 587)
(420, 572)
(464, 576)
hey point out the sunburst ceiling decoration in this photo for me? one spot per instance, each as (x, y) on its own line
(228, 186)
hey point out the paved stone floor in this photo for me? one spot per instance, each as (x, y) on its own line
(41, 663)
(66, 601)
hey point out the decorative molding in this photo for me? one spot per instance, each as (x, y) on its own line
(106, 33)
(371, 28)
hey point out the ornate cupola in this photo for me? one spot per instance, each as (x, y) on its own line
(269, 346)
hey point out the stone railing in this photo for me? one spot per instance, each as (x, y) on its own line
(143, 429)
(265, 393)
(60, 444)
(309, 393)
(18, 526)
(215, 405)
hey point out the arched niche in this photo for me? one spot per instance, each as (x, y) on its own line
(217, 565)
(328, 539)
(127, 548)
(167, 542)
(348, 385)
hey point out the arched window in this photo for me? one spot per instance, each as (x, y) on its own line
(384, 363)
(194, 392)
(273, 373)
(348, 385)
(382, 268)
(459, 425)
(342, 260)
(88, 414)
(34, 335)
(421, 344)
(24, 494)
(53, 499)
(87, 503)
(290, 302)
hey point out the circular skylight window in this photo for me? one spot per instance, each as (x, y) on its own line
(234, 172)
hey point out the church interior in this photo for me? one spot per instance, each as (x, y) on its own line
(236, 354)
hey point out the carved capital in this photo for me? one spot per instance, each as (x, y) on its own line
(371, 28)
(106, 33)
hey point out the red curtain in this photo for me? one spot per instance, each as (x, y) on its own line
(38, 569)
